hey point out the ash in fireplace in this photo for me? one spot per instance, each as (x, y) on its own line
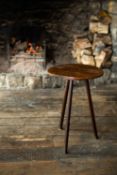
(28, 66)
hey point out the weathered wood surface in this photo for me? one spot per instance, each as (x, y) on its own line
(32, 144)
(76, 71)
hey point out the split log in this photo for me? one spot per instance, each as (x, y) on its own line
(106, 20)
(80, 52)
(108, 51)
(102, 28)
(98, 27)
(97, 47)
(103, 57)
(108, 64)
(93, 25)
(88, 60)
(94, 18)
(99, 59)
(21, 46)
(104, 17)
(87, 51)
(76, 52)
(82, 43)
(105, 38)
(90, 36)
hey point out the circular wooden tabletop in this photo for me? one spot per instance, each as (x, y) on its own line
(76, 71)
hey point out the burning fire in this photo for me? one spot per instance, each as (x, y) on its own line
(26, 47)
(33, 50)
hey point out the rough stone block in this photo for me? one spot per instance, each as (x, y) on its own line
(114, 39)
(114, 67)
(33, 82)
(2, 80)
(114, 77)
(105, 79)
(14, 80)
(47, 81)
(57, 82)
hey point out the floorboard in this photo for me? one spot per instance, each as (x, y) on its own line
(32, 144)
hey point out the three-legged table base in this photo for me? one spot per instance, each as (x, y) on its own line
(68, 99)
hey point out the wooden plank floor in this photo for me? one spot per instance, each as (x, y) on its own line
(32, 144)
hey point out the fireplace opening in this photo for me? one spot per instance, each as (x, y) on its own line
(27, 49)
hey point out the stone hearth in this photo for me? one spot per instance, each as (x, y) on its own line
(62, 21)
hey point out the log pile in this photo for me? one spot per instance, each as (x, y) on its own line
(95, 48)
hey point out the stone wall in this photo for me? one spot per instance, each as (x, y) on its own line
(19, 81)
(111, 7)
(63, 23)
(73, 21)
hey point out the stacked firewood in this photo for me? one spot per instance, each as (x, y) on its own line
(95, 48)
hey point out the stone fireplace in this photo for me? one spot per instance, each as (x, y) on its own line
(27, 50)
(42, 34)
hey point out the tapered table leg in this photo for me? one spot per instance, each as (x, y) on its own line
(70, 93)
(64, 104)
(91, 108)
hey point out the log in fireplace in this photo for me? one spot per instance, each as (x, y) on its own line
(27, 49)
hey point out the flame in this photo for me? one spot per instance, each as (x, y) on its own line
(33, 50)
